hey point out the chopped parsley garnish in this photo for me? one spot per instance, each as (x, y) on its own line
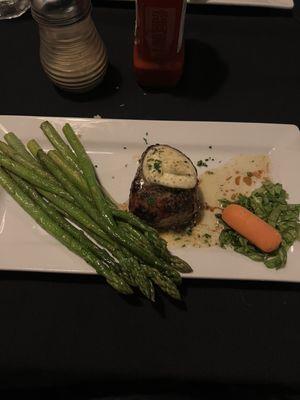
(151, 200)
(145, 140)
(157, 165)
(207, 236)
(189, 230)
(201, 163)
(154, 165)
(210, 173)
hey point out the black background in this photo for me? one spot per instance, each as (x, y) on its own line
(64, 335)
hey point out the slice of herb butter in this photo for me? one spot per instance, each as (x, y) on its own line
(166, 166)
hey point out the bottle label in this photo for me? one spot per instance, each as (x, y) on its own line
(159, 29)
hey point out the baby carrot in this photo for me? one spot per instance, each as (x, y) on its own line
(253, 228)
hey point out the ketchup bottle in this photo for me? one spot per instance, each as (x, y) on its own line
(158, 46)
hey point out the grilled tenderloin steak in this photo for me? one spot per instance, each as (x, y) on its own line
(164, 207)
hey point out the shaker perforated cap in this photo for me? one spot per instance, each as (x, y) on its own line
(59, 12)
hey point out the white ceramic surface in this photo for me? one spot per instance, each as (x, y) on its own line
(255, 3)
(25, 246)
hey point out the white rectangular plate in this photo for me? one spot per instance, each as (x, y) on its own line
(253, 3)
(115, 146)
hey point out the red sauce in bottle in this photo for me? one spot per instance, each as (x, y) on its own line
(158, 47)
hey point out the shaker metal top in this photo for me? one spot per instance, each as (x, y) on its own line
(59, 12)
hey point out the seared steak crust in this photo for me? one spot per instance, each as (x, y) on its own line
(160, 206)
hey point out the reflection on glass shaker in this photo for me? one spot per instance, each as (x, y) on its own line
(71, 50)
(13, 8)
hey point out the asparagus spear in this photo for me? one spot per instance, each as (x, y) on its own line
(180, 265)
(89, 174)
(129, 262)
(7, 150)
(159, 244)
(83, 220)
(76, 177)
(46, 160)
(87, 168)
(58, 143)
(175, 261)
(135, 221)
(123, 259)
(32, 177)
(150, 236)
(10, 152)
(19, 147)
(81, 199)
(80, 216)
(78, 234)
(75, 212)
(144, 241)
(33, 147)
(163, 282)
(142, 253)
(64, 150)
(134, 234)
(73, 175)
(71, 229)
(36, 148)
(60, 234)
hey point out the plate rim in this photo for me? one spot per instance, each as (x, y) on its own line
(294, 130)
(278, 4)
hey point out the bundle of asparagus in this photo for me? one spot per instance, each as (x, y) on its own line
(61, 191)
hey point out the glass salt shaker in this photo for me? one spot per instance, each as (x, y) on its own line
(13, 8)
(71, 51)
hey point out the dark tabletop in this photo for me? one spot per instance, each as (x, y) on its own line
(65, 331)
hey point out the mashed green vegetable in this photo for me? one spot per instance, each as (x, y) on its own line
(269, 202)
